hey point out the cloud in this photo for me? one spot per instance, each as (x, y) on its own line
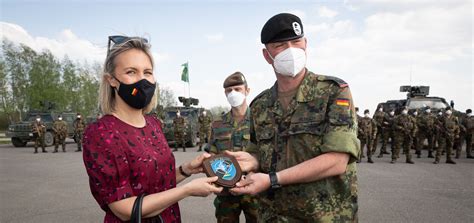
(325, 12)
(218, 37)
(299, 13)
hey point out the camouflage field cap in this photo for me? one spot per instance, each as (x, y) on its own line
(234, 79)
(282, 27)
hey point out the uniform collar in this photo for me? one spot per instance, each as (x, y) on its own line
(227, 117)
(306, 91)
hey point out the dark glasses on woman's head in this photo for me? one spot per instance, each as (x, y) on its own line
(122, 39)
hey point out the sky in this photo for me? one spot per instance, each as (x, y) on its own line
(374, 45)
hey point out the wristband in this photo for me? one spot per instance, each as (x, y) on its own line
(181, 171)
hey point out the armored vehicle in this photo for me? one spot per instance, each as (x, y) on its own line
(417, 99)
(190, 115)
(21, 132)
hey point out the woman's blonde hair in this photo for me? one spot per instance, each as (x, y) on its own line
(106, 91)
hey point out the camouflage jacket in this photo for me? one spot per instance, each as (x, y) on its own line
(60, 127)
(379, 117)
(204, 122)
(450, 126)
(38, 128)
(320, 119)
(405, 125)
(426, 121)
(228, 134)
(468, 123)
(388, 122)
(367, 127)
(179, 124)
(79, 125)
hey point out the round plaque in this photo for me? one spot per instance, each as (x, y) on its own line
(225, 167)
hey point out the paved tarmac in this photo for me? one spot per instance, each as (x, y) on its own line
(48, 187)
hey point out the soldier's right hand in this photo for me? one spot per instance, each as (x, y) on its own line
(247, 162)
(202, 187)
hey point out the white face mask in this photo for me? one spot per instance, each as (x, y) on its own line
(392, 113)
(178, 114)
(367, 115)
(204, 113)
(415, 113)
(449, 112)
(404, 112)
(440, 113)
(380, 109)
(38, 119)
(60, 118)
(428, 111)
(289, 62)
(235, 98)
(78, 116)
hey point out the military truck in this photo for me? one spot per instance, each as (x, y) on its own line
(417, 99)
(21, 133)
(190, 115)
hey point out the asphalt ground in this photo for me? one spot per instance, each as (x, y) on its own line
(47, 187)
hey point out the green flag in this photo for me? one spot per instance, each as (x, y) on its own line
(185, 74)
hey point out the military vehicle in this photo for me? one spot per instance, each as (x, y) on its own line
(21, 132)
(417, 99)
(190, 115)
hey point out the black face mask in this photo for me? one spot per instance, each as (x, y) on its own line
(137, 95)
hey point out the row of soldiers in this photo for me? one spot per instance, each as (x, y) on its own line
(60, 133)
(179, 127)
(408, 131)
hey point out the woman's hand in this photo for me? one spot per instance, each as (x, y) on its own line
(247, 162)
(202, 187)
(195, 166)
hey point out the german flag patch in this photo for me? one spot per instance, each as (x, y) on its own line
(134, 91)
(342, 102)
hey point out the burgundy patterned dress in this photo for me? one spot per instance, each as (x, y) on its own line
(123, 161)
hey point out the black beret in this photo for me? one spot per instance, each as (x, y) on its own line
(234, 79)
(468, 111)
(282, 27)
(366, 111)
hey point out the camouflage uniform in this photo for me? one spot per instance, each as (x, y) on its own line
(39, 129)
(468, 123)
(228, 134)
(179, 137)
(404, 131)
(204, 129)
(426, 130)
(378, 118)
(79, 126)
(388, 133)
(320, 119)
(449, 130)
(459, 138)
(366, 133)
(60, 133)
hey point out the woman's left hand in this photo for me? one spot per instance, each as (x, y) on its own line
(195, 166)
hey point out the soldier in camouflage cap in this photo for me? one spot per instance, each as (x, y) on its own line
(204, 128)
(366, 133)
(60, 133)
(79, 126)
(426, 130)
(449, 130)
(468, 123)
(379, 117)
(302, 137)
(39, 129)
(404, 129)
(231, 133)
(179, 126)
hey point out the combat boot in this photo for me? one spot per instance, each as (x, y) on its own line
(44, 150)
(55, 150)
(430, 154)
(64, 150)
(370, 160)
(36, 150)
(436, 161)
(450, 161)
(380, 155)
(470, 156)
(200, 149)
(184, 149)
(410, 161)
(418, 155)
(393, 161)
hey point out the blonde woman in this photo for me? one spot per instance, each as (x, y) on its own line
(125, 152)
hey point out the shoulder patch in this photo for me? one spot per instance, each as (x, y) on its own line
(338, 81)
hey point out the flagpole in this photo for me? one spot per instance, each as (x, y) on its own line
(189, 83)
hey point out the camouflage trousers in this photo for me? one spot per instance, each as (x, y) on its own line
(378, 137)
(365, 140)
(402, 141)
(386, 135)
(78, 137)
(228, 208)
(39, 141)
(179, 139)
(445, 143)
(204, 136)
(468, 139)
(59, 139)
(422, 135)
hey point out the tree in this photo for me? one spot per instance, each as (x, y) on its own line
(166, 97)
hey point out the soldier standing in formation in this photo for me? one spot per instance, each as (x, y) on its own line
(204, 128)
(366, 134)
(426, 130)
(232, 133)
(449, 130)
(378, 117)
(60, 133)
(179, 126)
(79, 126)
(303, 137)
(468, 123)
(39, 129)
(404, 129)
(387, 126)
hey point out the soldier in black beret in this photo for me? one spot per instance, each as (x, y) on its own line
(303, 140)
